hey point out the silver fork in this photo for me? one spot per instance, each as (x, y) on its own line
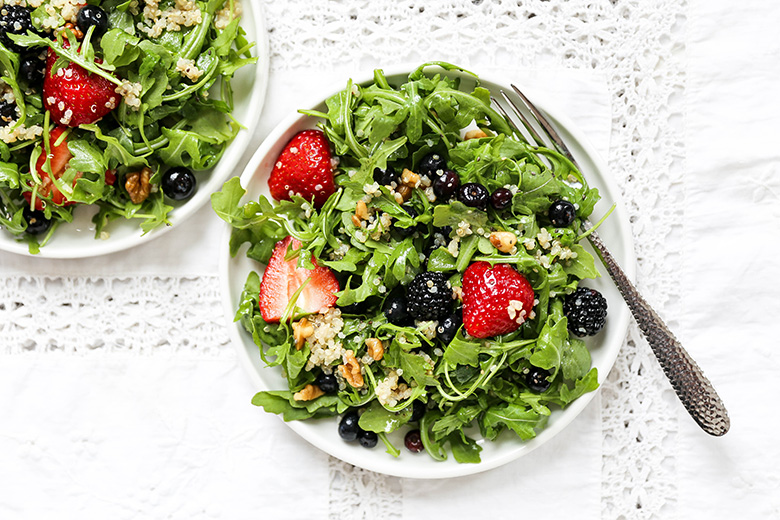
(689, 382)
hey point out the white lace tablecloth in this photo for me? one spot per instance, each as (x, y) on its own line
(103, 408)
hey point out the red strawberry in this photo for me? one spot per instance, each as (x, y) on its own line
(75, 96)
(494, 299)
(282, 278)
(303, 168)
(59, 157)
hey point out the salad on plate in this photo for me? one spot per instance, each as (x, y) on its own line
(422, 270)
(115, 104)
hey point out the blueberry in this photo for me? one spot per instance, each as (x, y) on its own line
(501, 199)
(7, 112)
(327, 383)
(32, 68)
(37, 222)
(179, 183)
(446, 184)
(348, 426)
(561, 213)
(418, 410)
(449, 326)
(92, 16)
(386, 177)
(395, 311)
(536, 379)
(474, 195)
(367, 439)
(413, 441)
(431, 164)
(405, 232)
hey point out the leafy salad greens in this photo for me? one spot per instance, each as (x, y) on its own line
(166, 118)
(467, 385)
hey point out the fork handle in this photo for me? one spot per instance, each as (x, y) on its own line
(689, 382)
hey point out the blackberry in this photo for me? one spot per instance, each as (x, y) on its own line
(561, 213)
(14, 19)
(431, 164)
(586, 311)
(536, 379)
(7, 112)
(32, 68)
(429, 296)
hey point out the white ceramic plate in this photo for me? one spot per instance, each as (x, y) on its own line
(77, 239)
(323, 432)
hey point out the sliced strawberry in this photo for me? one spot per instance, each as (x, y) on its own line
(495, 300)
(304, 168)
(59, 157)
(75, 96)
(282, 279)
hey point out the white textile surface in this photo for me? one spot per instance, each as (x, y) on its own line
(731, 259)
(161, 301)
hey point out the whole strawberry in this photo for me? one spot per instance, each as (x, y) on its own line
(304, 168)
(282, 279)
(495, 300)
(75, 96)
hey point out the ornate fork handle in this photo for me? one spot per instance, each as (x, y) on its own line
(691, 385)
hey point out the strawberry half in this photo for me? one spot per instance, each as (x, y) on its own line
(304, 168)
(59, 157)
(282, 279)
(495, 300)
(75, 96)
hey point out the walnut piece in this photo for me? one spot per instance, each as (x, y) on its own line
(409, 178)
(138, 186)
(308, 393)
(361, 210)
(504, 241)
(375, 348)
(351, 370)
(302, 329)
(404, 191)
(474, 134)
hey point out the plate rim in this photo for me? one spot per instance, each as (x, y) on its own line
(448, 469)
(242, 142)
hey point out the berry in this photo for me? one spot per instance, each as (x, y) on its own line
(14, 19)
(179, 183)
(367, 439)
(536, 379)
(474, 195)
(282, 278)
(37, 222)
(429, 296)
(76, 97)
(418, 410)
(32, 68)
(59, 157)
(501, 199)
(396, 312)
(348, 426)
(386, 177)
(431, 165)
(405, 232)
(413, 441)
(561, 213)
(446, 184)
(586, 311)
(92, 16)
(304, 169)
(495, 300)
(449, 327)
(327, 383)
(7, 112)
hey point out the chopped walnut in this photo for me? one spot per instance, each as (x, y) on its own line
(409, 178)
(308, 393)
(404, 191)
(361, 210)
(474, 134)
(74, 29)
(504, 241)
(302, 329)
(138, 186)
(351, 370)
(375, 348)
